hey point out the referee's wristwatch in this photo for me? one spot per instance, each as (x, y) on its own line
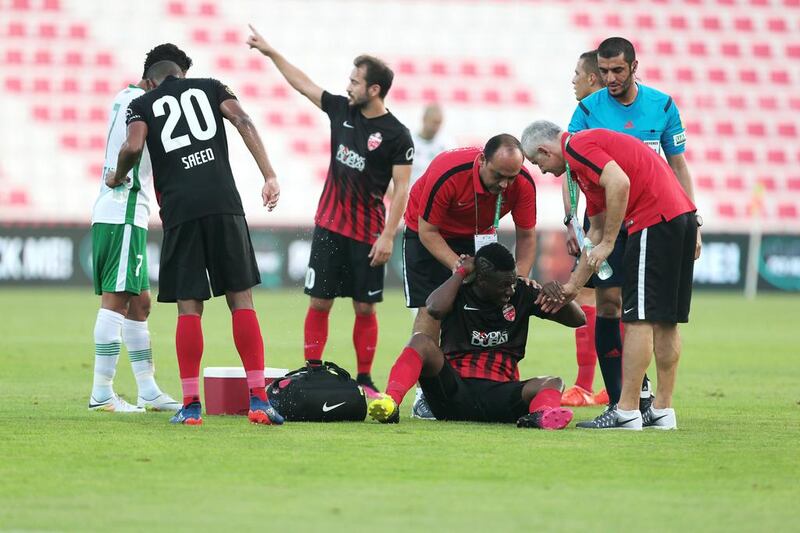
(699, 219)
(567, 219)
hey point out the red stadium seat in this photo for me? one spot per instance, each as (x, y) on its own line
(300, 146)
(101, 87)
(13, 85)
(793, 183)
(406, 67)
(69, 114)
(730, 49)
(767, 182)
(468, 69)
(41, 85)
(787, 129)
(652, 73)
(684, 74)
(41, 113)
(73, 59)
(613, 20)
(745, 155)
(70, 86)
(103, 59)
(460, 95)
(42, 57)
(501, 70)
(275, 118)
(225, 63)
(748, 76)
(644, 22)
(522, 97)
(232, 37)
(759, 3)
(279, 91)
(713, 155)
(51, 5)
(734, 183)
(20, 5)
(726, 210)
(438, 68)
(48, 31)
(13, 57)
(743, 24)
(705, 101)
(762, 50)
(767, 103)
(208, 9)
(305, 119)
(793, 51)
(756, 129)
(776, 156)
(777, 25)
(491, 96)
(697, 48)
(717, 75)
(201, 35)
(779, 76)
(725, 129)
(678, 22)
(69, 141)
(693, 127)
(787, 211)
(582, 20)
(97, 142)
(705, 183)
(665, 48)
(711, 23)
(399, 94)
(176, 9)
(794, 103)
(255, 64)
(97, 114)
(429, 95)
(78, 32)
(250, 90)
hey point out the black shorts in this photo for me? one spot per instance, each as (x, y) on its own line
(659, 264)
(339, 266)
(423, 273)
(452, 397)
(214, 250)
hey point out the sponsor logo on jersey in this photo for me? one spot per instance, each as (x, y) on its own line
(374, 141)
(229, 91)
(629, 125)
(350, 158)
(509, 313)
(679, 138)
(410, 154)
(129, 116)
(488, 339)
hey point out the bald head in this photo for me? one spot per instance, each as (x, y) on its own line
(159, 71)
(432, 119)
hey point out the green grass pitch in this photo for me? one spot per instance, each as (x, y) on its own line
(733, 465)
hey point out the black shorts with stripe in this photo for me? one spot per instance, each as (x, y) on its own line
(659, 265)
(423, 273)
(452, 397)
(339, 266)
(205, 256)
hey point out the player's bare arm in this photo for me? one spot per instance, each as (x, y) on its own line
(232, 110)
(296, 77)
(617, 186)
(570, 315)
(382, 249)
(525, 250)
(678, 165)
(129, 154)
(440, 301)
(433, 241)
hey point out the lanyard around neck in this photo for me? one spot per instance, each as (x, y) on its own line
(571, 184)
(497, 208)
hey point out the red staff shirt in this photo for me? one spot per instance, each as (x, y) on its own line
(446, 195)
(655, 194)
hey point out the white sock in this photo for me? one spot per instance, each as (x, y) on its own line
(137, 340)
(107, 329)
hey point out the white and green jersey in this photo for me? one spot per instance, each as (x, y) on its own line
(130, 203)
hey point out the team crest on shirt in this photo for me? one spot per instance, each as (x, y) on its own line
(374, 141)
(509, 313)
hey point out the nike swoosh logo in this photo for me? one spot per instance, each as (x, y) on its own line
(326, 407)
(468, 308)
(373, 293)
(93, 405)
(347, 125)
(462, 204)
(623, 422)
(657, 419)
(628, 310)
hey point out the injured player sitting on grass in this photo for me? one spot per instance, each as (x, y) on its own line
(472, 375)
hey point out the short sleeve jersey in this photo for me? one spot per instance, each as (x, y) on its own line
(363, 153)
(653, 118)
(188, 148)
(654, 196)
(130, 203)
(451, 196)
(486, 341)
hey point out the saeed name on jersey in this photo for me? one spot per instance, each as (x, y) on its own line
(198, 158)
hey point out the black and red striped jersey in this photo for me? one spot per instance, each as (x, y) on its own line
(363, 152)
(487, 341)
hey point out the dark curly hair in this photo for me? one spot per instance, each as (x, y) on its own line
(166, 52)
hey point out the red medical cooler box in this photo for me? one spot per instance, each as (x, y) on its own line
(225, 388)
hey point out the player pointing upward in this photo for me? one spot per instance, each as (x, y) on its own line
(353, 235)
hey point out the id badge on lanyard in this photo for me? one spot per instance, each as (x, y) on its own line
(482, 239)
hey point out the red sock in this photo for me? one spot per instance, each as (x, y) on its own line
(315, 333)
(189, 346)
(622, 330)
(404, 374)
(545, 399)
(584, 346)
(250, 345)
(365, 338)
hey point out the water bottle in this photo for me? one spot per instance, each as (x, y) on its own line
(605, 271)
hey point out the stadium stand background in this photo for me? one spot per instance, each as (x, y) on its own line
(732, 66)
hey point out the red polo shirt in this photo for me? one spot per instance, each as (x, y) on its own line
(446, 195)
(655, 193)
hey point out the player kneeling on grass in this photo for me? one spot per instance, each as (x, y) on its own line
(473, 374)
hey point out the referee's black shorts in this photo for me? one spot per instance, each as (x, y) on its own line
(205, 256)
(423, 273)
(659, 265)
(452, 397)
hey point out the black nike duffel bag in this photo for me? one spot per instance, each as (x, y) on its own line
(319, 392)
